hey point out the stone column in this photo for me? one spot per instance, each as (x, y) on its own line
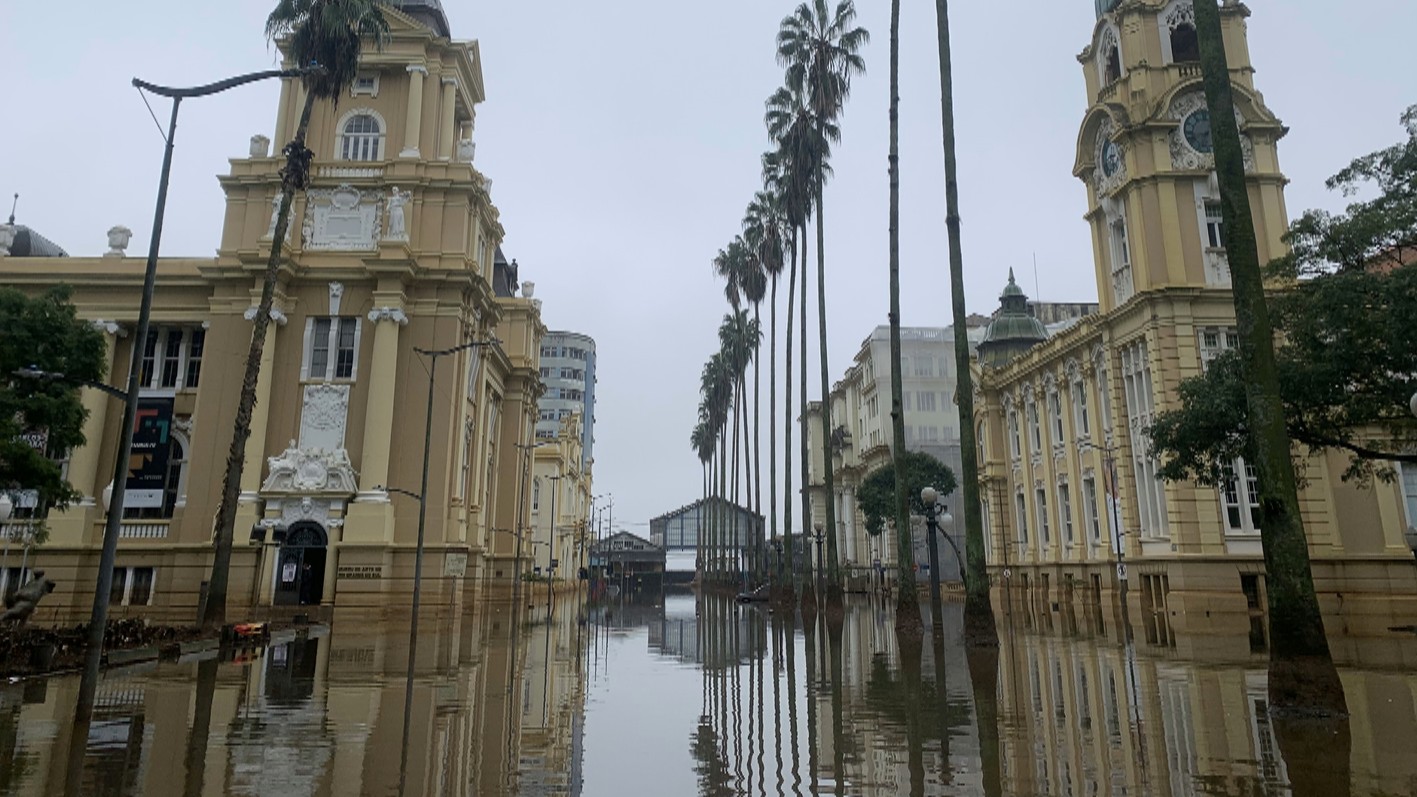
(253, 468)
(379, 417)
(371, 518)
(413, 122)
(447, 130)
(74, 526)
(847, 514)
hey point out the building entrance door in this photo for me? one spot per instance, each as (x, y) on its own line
(300, 568)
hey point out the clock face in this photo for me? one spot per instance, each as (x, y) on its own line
(1197, 130)
(1111, 158)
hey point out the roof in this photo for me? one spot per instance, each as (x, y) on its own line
(1013, 329)
(714, 499)
(429, 12)
(29, 243)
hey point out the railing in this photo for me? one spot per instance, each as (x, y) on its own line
(143, 530)
(1190, 69)
(16, 530)
(350, 172)
(1109, 91)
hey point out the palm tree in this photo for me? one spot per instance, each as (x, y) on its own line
(800, 159)
(714, 384)
(821, 52)
(702, 441)
(765, 230)
(738, 338)
(979, 616)
(755, 286)
(331, 34)
(907, 606)
(1302, 674)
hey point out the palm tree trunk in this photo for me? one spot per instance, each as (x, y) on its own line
(732, 541)
(745, 544)
(833, 573)
(1301, 670)
(757, 438)
(214, 613)
(722, 498)
(907, 603)
(787, 547)
(772, 409)
(809, 589)
(978, 611)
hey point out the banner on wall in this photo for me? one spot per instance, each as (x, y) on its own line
(152, 446)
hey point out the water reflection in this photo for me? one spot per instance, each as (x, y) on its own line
(682, 694)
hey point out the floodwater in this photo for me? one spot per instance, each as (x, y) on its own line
(678, 695)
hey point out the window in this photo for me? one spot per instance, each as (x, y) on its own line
(172, 358)
(1114, 64)
(924, 366)
(367, 84)
(1035, 432)
(132, 586)
(535, 494)
(1014, 444)
(905, 400)
(330, 353)
(1409, 493)
(925, 401)
(361, 139)
(1140, 395)
(1022, 519)
(984, 523)
(1214, 225)
(1041, 496)
(1122, 285)
(1065, 513)
(979, 442)
(1185, 46)
(1055, 416)
(1104, 391)
(1089, 509)
(1080, 416)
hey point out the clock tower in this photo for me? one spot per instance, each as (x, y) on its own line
(1144, 150)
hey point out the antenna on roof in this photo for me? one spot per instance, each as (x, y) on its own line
(1037, 297)
(12, 208)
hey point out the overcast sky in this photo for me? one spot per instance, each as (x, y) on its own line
(623, 141)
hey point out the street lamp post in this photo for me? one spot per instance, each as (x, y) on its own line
(551, 548)
(819, 537)
(98, 621)
(935, 513)
(7, 508)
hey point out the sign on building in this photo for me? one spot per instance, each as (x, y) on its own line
(152, 445)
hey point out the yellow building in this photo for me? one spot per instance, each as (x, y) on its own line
(1063, 425)
(391, 250)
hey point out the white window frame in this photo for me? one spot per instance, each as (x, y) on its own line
(378, 140)
(1022, 510)
(1141, 412)
(1090, 515)
(1080, 412)
(1035, 431)
(1015, 437)
(1055, 418)
(1123, 285)
(332, 349)
(1045, 535)
(371, 90)
(1065, 513)
(127, 575)
(161, 334)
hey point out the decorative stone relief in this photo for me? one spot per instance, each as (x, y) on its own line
(1183, 155)
(260, 146)
(1104, 182)
(398, 229)
(310, 470)
(393, 314)
(1217, 268)
(275, 217)
(7, 237)
(109, 328)
(467, 148)
(336, 293)
(323, 417)
(316, 510)
(118, 238)
(342, 219)
(1181, 13)
(276, 315)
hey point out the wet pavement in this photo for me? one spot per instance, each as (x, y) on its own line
(679, 695)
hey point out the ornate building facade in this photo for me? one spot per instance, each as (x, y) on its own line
(1073, 508)
(390, 252)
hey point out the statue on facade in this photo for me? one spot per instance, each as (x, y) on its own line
(397, 229)
(19, 606)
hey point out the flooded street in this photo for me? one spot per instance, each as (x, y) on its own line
(684, 695)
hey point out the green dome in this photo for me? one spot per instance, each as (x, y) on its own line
(1013, 330)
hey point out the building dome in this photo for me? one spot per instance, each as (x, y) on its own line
(1104, 6)
(1013, 329)
(428, 12)
(29, 243)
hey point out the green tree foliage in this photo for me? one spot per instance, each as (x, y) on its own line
(876, 495)
(1346, 328)
(44, 333)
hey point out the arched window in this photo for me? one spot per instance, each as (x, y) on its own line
(535, 494)
(1114, 65)
(1185, 47)
(361, 138)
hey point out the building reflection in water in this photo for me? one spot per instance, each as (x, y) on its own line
(701, 695)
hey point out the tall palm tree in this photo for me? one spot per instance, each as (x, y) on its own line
(738, 339)
(802, 150)
(1301, 670)
(907, 605)
(765, 228)
(822, 53)
(755, 287)
(979, 616)
(330, 33)
(713, 382)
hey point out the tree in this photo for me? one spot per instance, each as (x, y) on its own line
(877, 494)
(331, 34)
(822, 53)
(1301, 671)
(764, 229)
(978, 613)
(1346, 318)
(41, 420)
(907, 605)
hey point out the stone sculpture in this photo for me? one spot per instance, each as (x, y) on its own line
(19, 606)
